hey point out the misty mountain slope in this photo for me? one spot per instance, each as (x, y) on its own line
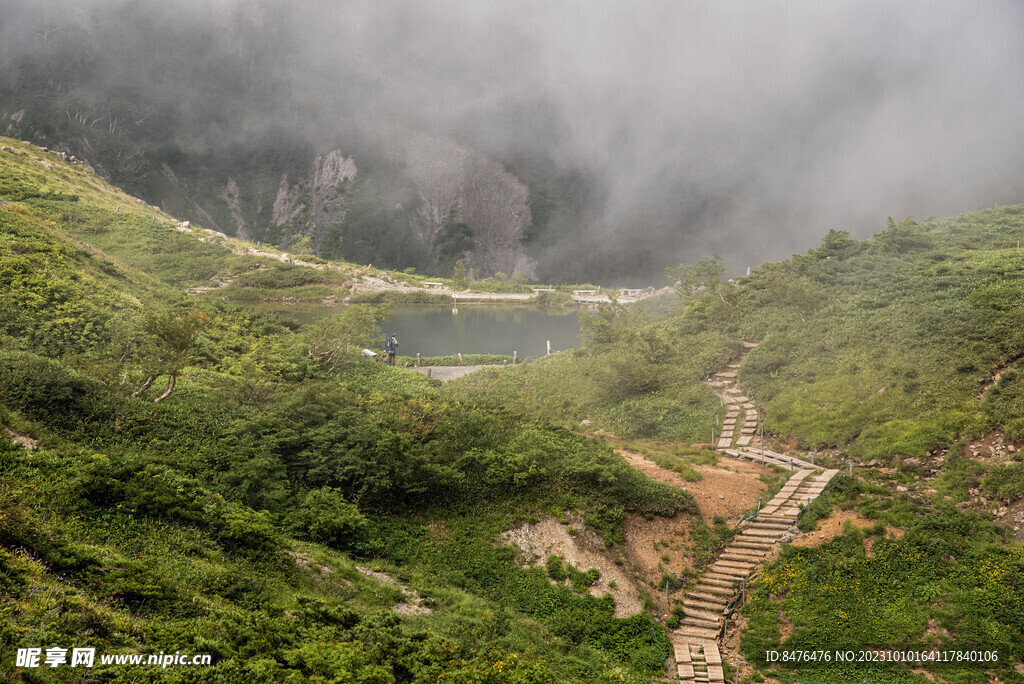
(295, 511)
(194, 259)
(707, 128)
(882, 347)
(490, 201)
(166, 258)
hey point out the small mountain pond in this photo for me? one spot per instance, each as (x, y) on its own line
(437, 330)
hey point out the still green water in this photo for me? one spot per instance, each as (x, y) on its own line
(433, 330)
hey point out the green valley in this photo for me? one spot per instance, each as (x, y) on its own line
(182, 472)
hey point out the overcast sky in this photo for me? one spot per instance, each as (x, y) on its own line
(760, 125)
(745, 127)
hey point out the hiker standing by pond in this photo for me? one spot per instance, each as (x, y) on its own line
(391, 347)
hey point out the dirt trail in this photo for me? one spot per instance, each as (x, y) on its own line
(446, 373)
(728, 492)
(367, 279)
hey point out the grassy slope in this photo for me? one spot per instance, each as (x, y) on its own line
(876, 349)
(229, 518)
(927, 312)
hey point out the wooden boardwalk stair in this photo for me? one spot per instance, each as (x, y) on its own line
(718, 589)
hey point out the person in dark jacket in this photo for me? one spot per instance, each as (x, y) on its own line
(391, 347)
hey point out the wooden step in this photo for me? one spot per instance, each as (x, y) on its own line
(685, 671)
(746, 566)
(774, 519)
(739, 557)
(701, 615)
(711, 589)
(764, 547)
(735, 572)
(707, 598)
(720, 577)
(754, 543)
(697, 632)
(743, 551)
(705, 624)
(732, 568)
(717, 582)
(702, 606)
(782, 526)
(771, 534)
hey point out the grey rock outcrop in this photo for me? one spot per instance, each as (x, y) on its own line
(489, 199)
(316, 203)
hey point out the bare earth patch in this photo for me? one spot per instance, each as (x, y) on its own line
(1013, 518)
(584, 550)
(649, 542)
(934, 630)
(23, 440)
(306, 562)
(446, 373)
(785, 627)
(726, 492)
(831, 527)
(412, 605)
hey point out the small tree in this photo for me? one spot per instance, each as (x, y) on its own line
(902, 237)
(460, 274)
(301, 245)
(707, 274)
(171, 337)
(836, 244)
(330, 339)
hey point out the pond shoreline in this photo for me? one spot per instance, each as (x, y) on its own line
(495, 330)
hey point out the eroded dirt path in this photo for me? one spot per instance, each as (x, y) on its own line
(726, 491)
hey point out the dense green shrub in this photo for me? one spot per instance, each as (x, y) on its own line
(324, 516)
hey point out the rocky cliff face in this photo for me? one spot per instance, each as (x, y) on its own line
(256, 201)
(315, 204)
(491, 201)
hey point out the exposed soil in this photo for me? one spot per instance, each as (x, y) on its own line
(584, 550)
(933, 629)
(832, 526)
(446, 373)
(1012, 518)
(412, 605)
(728, 492)
(785, 627)
(307, 563)
(23, 440)
(996, 374)
(992, 449)
(649, 542)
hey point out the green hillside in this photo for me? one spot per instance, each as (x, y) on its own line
(899, 357)
(182, 473)
(229, 517)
